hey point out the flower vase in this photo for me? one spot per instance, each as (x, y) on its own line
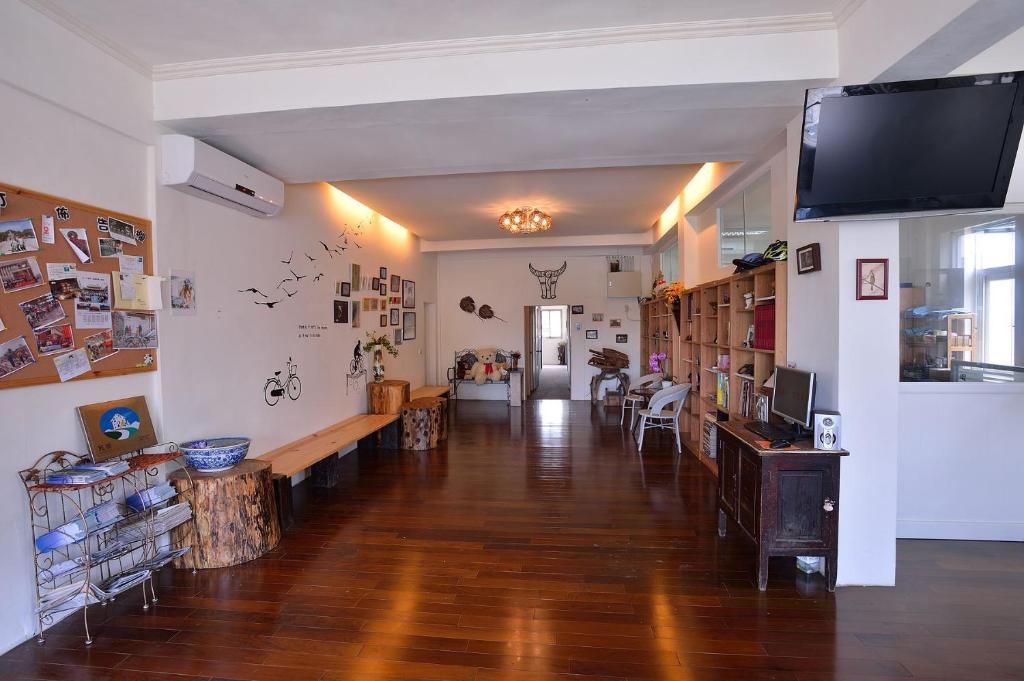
(378, 365)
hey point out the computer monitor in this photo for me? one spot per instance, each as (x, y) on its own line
(793, 398)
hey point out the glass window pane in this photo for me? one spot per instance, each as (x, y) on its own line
(669, 262)
(958, 289)
(745, 221)
(757, 215)
(730, 230)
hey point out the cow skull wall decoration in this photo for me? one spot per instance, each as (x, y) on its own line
(548, 280)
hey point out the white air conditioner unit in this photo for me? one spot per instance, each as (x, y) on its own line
(197, 168)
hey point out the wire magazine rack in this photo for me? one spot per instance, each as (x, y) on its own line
(94, 563)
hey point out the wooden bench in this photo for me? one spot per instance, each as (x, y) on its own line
(306, 452)
(430, 391)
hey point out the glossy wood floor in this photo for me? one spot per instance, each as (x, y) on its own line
(544, 550)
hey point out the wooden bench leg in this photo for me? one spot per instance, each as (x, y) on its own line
(391, 435)
(327, 472)
(367, 445)
(283, 497)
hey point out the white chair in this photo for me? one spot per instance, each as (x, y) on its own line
(657, 416)
(630, 401)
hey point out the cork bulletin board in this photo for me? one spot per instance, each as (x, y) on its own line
(29, 307)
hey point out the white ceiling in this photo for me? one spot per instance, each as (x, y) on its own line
(602, 161)
(581, 202)
(540, 131)
(159, 32)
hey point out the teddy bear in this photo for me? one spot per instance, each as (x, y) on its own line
(487, 367)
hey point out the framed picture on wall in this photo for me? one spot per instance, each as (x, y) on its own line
(622, 338)
(383, 320)
(383, 273)
(409, 297)
(591, 334)
(341, 312)
(375, 284)
(808, 259)
(409, 326)
(394, 316)
(872, 278)
(383, 290)
(356, 276)
(396, 283)
(577, 309)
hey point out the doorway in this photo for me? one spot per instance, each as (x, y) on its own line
(548, 336)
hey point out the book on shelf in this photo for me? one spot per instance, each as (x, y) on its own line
(122, 582)
(73, 595)
(163, 558)
(764, 326)
(709, 436)
(96, 518)
(150, 497)
(162, 521)
(108, 468)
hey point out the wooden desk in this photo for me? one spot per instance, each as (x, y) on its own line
(786, 501)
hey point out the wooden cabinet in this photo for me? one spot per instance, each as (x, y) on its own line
(786, 501)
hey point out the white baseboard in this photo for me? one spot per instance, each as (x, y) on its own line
(957, 529)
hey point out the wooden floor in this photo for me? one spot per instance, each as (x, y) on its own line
(541, 550)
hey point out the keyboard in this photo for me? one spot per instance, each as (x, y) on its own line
(768, 432)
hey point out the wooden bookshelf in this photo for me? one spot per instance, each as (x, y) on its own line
(658, 333)
(714, 320)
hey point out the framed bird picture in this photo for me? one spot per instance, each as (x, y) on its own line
(872, 279)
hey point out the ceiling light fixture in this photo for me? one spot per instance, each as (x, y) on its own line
(524, 220)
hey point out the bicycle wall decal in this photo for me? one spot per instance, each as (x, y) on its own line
(274, 389)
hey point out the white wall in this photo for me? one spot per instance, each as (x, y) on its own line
(215, 363)
(502, 279)
(70, 125)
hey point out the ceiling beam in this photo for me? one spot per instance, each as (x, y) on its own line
(807, 51)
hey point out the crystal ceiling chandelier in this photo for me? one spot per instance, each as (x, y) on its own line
(525, 220)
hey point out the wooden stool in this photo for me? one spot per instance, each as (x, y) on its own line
(235, 515)
(424, 423)
(387, 397)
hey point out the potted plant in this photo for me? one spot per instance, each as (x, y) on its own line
(515, 355)
(379, 344)
(673, 295)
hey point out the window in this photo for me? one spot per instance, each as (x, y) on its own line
(745, 221)
(669, 262)
(551, 325)
(959, 297)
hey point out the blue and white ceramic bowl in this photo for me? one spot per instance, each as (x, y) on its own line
(215, 454)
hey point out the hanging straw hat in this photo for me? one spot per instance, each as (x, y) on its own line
(468, 305)
(487, 312)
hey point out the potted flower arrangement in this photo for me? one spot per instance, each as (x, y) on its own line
(379, 344)
(673, 295)
(515, 355)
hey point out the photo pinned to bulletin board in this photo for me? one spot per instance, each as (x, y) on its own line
(58, 263)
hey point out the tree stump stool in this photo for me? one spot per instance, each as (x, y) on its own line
(387, 397)
(424, 423)
(235, 517)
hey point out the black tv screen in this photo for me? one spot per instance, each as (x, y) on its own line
(935, 146)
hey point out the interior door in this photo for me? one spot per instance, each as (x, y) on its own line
(529, 330)
(538, 346)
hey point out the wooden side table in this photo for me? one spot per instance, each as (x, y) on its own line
(235, 515)
(387, 397)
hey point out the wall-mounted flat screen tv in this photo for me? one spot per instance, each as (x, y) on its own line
(937, 146)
